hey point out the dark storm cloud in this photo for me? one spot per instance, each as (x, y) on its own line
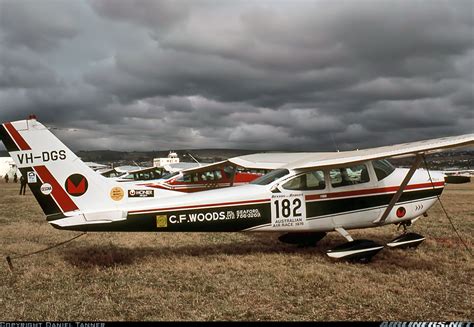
(293, 75)
(19, 71)
(37, 25)
(153, 14)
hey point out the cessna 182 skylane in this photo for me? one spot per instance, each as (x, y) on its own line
(306, 195)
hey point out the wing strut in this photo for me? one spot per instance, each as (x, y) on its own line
(398, 194)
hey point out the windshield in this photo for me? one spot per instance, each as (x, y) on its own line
(382, 168)
(271, 177)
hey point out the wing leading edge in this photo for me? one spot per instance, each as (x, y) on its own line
(306, 160)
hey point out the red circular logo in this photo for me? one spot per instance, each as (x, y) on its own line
(76, 185)
(401, 212)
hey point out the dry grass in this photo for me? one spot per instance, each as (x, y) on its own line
(232, 276)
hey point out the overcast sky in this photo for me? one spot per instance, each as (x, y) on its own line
(276, 75)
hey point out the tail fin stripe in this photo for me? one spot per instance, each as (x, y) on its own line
(19, 140)
(7, 139)
(58, 193)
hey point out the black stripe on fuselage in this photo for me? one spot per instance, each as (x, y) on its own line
(221, 219)
(7, 140)
(338, 206)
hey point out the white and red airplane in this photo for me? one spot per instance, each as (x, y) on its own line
(305, 196)
(211, 176)
(201, 178)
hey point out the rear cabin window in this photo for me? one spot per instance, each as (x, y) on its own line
(310, 181)
(211, 175)
(190, 178)
(382, 168)
(349, 175)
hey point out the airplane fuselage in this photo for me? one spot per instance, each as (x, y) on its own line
(272, 207)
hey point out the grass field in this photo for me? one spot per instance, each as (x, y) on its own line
(232, 276)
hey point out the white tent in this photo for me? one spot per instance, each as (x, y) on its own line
(7, 166)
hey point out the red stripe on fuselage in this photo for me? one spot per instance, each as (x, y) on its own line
(203, 205)
(58, 193)
(308, 197)
(371, 191)
(19, 140)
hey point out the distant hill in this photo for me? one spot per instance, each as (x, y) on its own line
(143, 157)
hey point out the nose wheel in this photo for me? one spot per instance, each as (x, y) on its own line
(406, 240)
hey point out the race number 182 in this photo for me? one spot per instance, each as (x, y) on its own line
(289, 207)
(286, 208)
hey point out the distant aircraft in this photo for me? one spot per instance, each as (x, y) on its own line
(458, 176)
(142, 174)
(305, 196)
(206, 177)
(200, 178)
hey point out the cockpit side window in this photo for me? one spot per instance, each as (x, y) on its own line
(349, 175)
(310, 181)
(382, 168)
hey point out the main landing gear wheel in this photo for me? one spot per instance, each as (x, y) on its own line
(361, 251)
(303, 239)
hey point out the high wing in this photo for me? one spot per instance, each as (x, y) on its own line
(206, 167)
(144, 170)
(307, 160)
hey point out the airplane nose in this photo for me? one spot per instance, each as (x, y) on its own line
(440, 176)
(432, 175)
(437, 176)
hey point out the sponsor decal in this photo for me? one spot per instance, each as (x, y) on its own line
(141, 193)
(161, 221)
(32, 178)
(116, 193)
(76, 185)
(46, 189)
(199, 217)
(288, 210)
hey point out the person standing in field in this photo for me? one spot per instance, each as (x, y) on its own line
(15, 178)
(6, 178)
(22, 185)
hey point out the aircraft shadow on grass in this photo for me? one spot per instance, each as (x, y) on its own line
(110, 255)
